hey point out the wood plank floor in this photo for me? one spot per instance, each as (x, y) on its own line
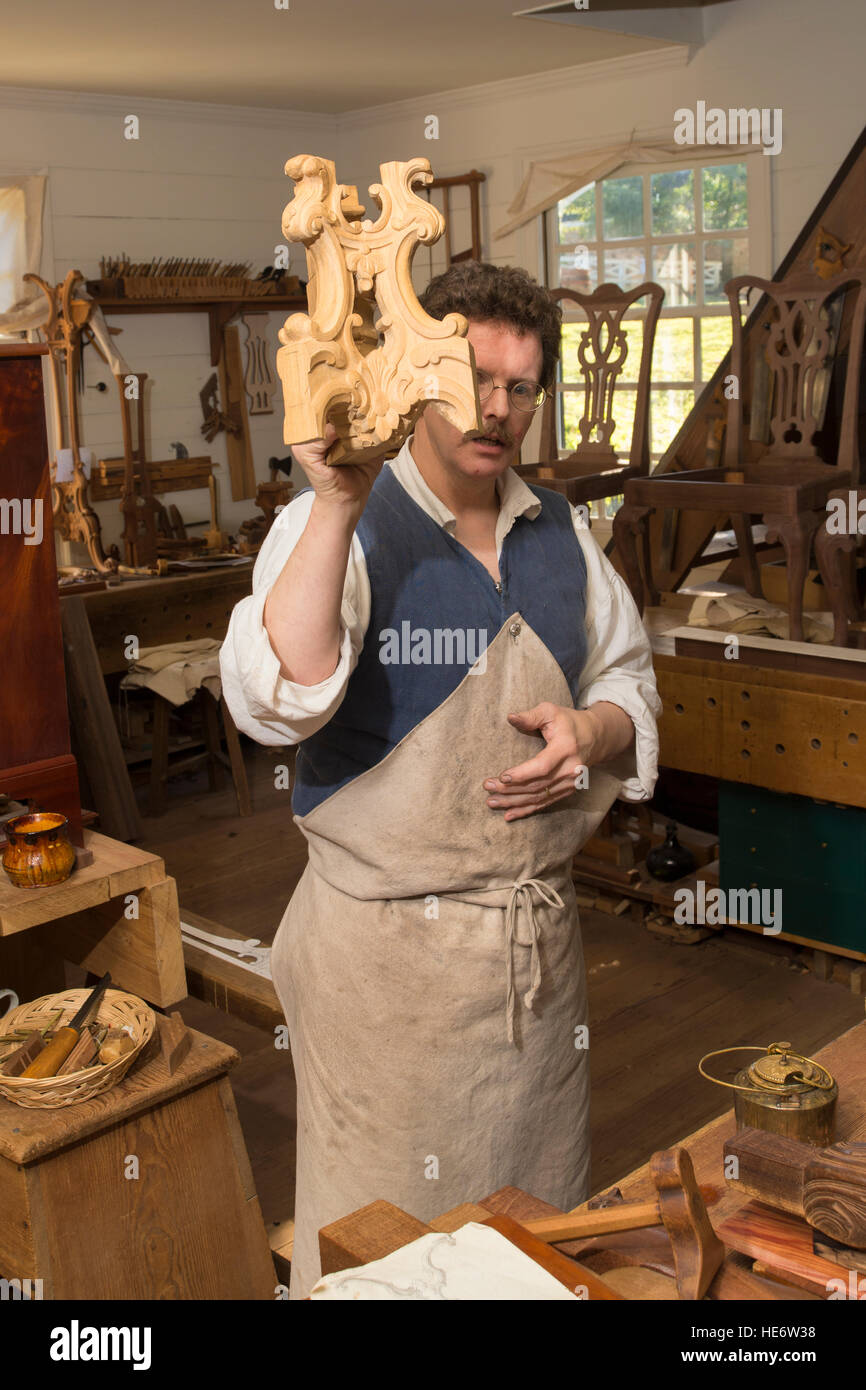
(655, 1007)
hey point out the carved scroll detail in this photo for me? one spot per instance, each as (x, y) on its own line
(368, 376)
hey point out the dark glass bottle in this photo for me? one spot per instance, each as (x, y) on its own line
(671, 860)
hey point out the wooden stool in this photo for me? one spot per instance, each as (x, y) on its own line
(213, 754)
(74, 1214)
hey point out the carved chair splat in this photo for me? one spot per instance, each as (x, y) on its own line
(594, 470)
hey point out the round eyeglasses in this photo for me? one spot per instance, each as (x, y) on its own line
(523, 395)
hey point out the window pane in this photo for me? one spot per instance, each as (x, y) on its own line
(723, 259)
(668, 410)
(576, 216)
(625, 266)
(672, 198)
(675, 269)
(623, 208)
(572, 409)
(715, 341)
(633, 329)
(674, 351)
(624, 402)
(726, 203)
(578, 269)
(568, 351)
(13, 257)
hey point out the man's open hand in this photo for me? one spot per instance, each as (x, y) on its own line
(575, 738)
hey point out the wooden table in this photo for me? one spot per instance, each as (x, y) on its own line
(118, 913)
(186, 1226)
(378, 1229)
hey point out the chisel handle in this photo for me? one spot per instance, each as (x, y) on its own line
(53, 1055)
(627, 1216)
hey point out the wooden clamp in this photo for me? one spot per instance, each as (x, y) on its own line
(826, 1186)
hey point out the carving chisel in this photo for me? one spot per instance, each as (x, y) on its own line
(52, 1057)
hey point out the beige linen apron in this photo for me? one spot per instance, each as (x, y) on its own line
(430, 968)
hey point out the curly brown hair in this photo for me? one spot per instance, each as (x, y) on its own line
(499, 294)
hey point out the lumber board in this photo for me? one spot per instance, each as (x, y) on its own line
(782, 1242)
(96, 733)
(234, 403)
(368, 1234)
(227, 986)
(805, 658)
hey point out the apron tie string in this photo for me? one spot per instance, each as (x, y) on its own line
(521, 896)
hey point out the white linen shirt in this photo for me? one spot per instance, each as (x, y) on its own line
(275, 711)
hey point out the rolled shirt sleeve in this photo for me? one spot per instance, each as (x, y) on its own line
(619, 666)
(263, 703)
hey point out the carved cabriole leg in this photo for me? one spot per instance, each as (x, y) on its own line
(795, 534)
(629, 522)
(835, 556)
(751, 569)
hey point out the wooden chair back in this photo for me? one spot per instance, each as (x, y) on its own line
(602, 354)
(802, 325)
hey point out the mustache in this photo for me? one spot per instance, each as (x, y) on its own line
(498, 432)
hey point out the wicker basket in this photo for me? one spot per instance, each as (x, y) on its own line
(116, 1009)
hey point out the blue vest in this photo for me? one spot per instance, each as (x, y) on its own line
(434, 610)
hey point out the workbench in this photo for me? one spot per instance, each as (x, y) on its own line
(380, 1228)
(176, 608)
(787, 716)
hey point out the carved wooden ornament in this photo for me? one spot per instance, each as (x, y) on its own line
(369, 377)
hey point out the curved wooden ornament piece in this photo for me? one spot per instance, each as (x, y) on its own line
(369, 377)
(698, 1252)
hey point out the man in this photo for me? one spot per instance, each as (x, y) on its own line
(470, 686)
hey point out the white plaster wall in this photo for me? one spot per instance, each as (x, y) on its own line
(799, 55)
(202, 181)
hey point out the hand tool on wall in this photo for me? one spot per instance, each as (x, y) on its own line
(52, 1057)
